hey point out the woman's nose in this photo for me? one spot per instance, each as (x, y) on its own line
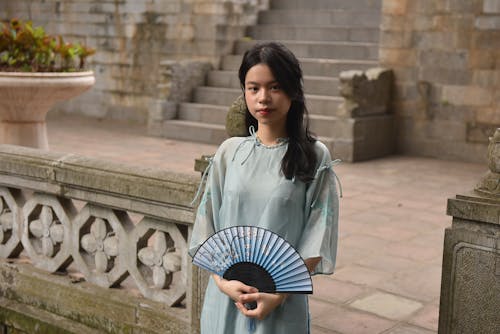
(264, 95)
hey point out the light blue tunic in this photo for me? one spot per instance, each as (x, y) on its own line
(245, 186)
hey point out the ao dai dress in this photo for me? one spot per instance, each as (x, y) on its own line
(245, 186)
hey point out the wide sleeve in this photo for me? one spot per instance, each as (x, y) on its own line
(207, 214)
(320, 235)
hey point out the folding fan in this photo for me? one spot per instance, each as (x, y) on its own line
(256, 257)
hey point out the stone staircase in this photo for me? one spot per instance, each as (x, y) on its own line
(328, 36)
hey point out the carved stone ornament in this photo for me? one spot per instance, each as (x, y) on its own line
(236, 119)
(102, 236)
(490, 183)
(10, 244)
(46, 231)
(157, 261)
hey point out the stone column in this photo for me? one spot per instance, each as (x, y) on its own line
(470, 285)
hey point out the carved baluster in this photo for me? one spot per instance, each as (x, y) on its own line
(10, 244)
(46, 231)
(160, 267)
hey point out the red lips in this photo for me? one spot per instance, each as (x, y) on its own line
(264, 112)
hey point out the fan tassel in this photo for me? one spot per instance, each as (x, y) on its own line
(251, 325)
(251, 322)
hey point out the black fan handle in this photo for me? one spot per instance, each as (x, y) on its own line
(251, 305)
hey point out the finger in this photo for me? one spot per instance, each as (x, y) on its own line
(241, 308)
(249, 297)
(248, 289)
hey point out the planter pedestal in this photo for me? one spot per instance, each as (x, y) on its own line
(25, 99)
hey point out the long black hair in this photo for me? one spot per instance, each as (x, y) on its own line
(300, 159)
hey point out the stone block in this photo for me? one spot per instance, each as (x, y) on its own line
(465, 6)
(486, 78)
(445, 76)
(467, 95)
(479, 132)
(160, 110)
(396, 39)
(367, 138)
(397, 57)
(488, 22)
(487, 40)
(456, 59)
(491, 6)
(394, 7)
(433, 40)
(483, 59)
(365, 93)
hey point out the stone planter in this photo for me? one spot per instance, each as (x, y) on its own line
(25, 99)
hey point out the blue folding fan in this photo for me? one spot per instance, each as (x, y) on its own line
(256, 257)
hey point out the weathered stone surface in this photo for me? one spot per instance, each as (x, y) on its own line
(99, 239)
(470, 283)
(236, 119)
(74, 173)
(82, 307)
(20, 318)
(365, 93)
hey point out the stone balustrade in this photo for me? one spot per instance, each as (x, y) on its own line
(120, 228)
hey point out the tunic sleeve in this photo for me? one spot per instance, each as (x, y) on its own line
(207, 214)
(320, 234)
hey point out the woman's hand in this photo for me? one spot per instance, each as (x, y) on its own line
(233, 289)
(266, 303)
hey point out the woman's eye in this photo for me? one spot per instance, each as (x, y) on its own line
(275, 88)
(252, 89)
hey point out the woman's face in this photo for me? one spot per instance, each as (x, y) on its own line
(265, 99)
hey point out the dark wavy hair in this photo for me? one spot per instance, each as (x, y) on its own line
(300, 159)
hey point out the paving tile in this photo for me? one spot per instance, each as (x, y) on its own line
(413, 252)
(362, 276)
(329, 289)
(428, 317)
(319, 330)
(423, 283)
(390, 264)
(364, 242)
(387, 305)
(350, 321)
(408, 329)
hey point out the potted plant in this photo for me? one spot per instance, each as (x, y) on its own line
(36, 71)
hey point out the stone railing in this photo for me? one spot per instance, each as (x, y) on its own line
(113, 228)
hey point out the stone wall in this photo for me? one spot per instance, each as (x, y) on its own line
(446, 59)
(132, 37)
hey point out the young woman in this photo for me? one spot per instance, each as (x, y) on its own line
(278, 178)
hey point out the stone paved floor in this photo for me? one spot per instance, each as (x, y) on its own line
(392, 221)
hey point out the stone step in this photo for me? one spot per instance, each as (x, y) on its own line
(326, 4)
(347, 18)
(218, 96)
(323, 105)
(321, 125)
(205, 113)
(314, 33)
(329, 50)
(317, 104)
(312, 84)
(311, 66)
(194, 131)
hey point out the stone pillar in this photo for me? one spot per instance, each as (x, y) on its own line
(470, 285)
